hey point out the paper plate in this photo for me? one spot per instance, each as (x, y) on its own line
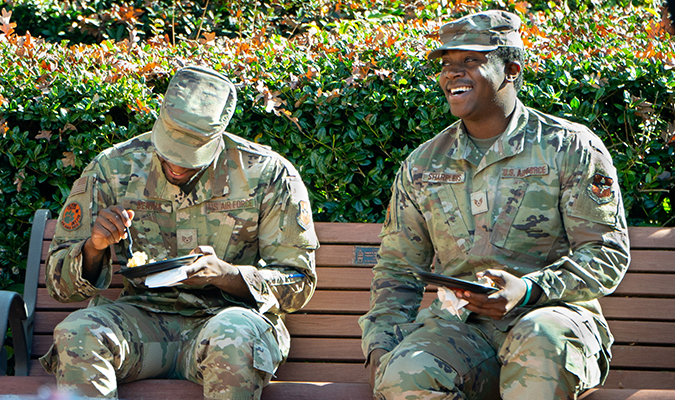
(159, 266)
(452, 283)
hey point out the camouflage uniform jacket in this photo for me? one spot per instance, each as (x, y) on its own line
(542, 203)
(250, 205)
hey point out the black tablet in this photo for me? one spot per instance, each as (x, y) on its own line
(453, 283)
(159, 266)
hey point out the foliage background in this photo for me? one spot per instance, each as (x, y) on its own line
(342, 89)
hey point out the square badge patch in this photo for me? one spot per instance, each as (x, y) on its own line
(479, 202)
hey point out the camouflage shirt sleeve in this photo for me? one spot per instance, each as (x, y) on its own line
(594, 220)
(285, 279)
(396, 294)
(63, 278)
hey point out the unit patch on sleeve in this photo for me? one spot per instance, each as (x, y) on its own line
(600, 190)
(72, 216)
(304, 216)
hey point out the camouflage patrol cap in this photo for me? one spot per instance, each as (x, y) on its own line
(197, 107)
(484, 31)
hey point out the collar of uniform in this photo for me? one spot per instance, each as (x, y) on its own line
(513, 138)
(460, 148)
(155, 186)
(509, 143)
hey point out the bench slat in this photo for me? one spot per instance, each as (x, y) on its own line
(644, 332)
(359, 278)
(349, 278)
(627, 394)
(649, 357)
(354, 372)
(349, 350)
(298, 324)
(44, 301)
(356, 302)
(619, 379)
(290, 371)
(638, 308)
(651, 238)
(302, 349)
(346, 326)
(652, 285)
(346, 256)
(327, 255)
(328, 232)
(652, 261)
(181, 389)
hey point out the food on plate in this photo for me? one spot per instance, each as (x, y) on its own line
(137, 259)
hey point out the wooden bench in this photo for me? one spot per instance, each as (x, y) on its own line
(326, 361)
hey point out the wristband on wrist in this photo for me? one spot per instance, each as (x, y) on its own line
(526, 300)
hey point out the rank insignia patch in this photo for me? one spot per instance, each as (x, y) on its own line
(304, 216)
(72, 217)
(479, 202)
(187, 239)
(600, 190)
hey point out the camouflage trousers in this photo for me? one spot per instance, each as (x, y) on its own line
(232, 354)
(550, 353)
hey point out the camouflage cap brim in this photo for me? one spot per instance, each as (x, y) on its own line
(183, 153)
(437, 53)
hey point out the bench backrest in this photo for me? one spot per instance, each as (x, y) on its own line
(326, 336)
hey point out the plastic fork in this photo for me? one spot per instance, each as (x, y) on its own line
(130, 241)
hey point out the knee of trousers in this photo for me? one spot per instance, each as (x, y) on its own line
(427, 376)
(555, 342)
(414, 372)
(233, 324)
(548, 332)
(241, 337)
(78, 328)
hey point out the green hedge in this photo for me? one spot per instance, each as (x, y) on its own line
(345, 100)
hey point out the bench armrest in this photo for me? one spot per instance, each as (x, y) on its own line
(13, 314)
(16, 312)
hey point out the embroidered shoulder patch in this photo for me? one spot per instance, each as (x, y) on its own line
(72, 216)
(600, 190)
(304, 216)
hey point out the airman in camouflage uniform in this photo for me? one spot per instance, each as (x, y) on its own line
(527, 199)
(185, 187)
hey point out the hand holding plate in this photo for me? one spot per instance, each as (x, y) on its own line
(511, 290)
